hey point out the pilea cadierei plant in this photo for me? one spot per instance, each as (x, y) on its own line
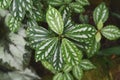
(62, 44)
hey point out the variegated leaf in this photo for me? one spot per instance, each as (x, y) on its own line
(54, 20)
(86, 65)
(71, 54)
(67, 68)
(77, 72)
(27, 4)
(46, 48)
(12, 23)
(111, 32)
(67, 76)
(58, 76)
(36, 34)
(77, 7)
(67, 1)
(5, 3)
(83, 2)
(56, 59)
(82, 33)
(100, 13)
(55, 2)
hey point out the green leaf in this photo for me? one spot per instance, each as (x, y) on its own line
(83, 2)
(55, 2)
(36, 34)
(100, 25)
(86, 65)
(67, 76)
(100, 13)
(67, 1)
(111, 32)
(82, 33)
(58, 76)
(77, 7)
(45, 49)
(4, 4)
(67, 68)
(27, 4)
(54, 20)
(71, 54)
(98, 37)
(12, 23)
(77, 72)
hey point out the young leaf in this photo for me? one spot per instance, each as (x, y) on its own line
(86, 65)
(58, 76)
(82, 33)
(67, 76)
(111, 32)
(100, 13)
(71, 54)
(54, 20)
(5, 3)
(36, 34)
(77, 7)
(12, 23)
(77, 72)
(98, 37)
(45, 49)
(83, 2)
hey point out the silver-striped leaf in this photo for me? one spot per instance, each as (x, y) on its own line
(46, 48)
(58, 76)
(67, 76)
(67, 68)
(111, 32)
(36, 34)
(12, 23)
(5, 3)
(100, 13)
(86, 65)
(82, 33)
(71, 54)
(77, 72)
(55, 2)
(83, 2)
(54, 20)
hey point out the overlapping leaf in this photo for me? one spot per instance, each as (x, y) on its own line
(54, 20)
(83, 2)
(111, 32)
(100, 13)
(82, 33)
(5, 3)
(55, 2)
(71, 54)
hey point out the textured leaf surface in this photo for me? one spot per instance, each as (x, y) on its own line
(67, 76)
(45, 49)
(77, 72)
(111, 32)
(83, 2)
(12, 23)
(36, 34)
(58, 76)
(55, 2)
(54, 20)
(5, 3)
(71, 54)
(67, 68)
(86, 65)
(82, 33)
(100, 13)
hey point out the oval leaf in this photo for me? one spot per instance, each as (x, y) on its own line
(67, 76)
(111, 32)
(58, 76)
(100, 13)
(83, 2)
(71, 54)
(54, 20)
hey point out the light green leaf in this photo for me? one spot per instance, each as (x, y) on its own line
(67, 68)
(82, 33)
(67, 76)
(98, 37)
(58, 76)
(45, 49)
(54, 20)
(100, 25)
(71, 54)
(36, 34)
(77, 7)
(100, 13)
(5, 3)
(111, 32)
(12, 23)
(86, 65)
(55, 2)
(77, 72)
(83, 2)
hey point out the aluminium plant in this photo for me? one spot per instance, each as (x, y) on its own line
(61, 44)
